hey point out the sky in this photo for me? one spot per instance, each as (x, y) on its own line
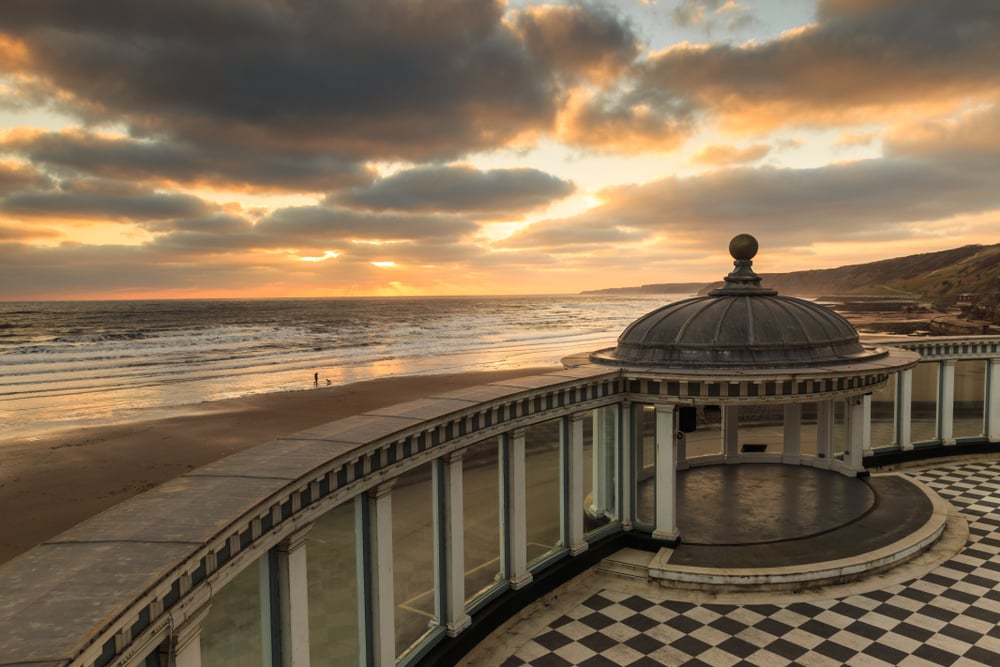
(299, 148)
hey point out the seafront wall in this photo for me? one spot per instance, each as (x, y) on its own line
(410, 531)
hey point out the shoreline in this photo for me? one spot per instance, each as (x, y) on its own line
(51, 483)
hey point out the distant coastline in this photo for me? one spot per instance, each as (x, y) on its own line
(645, 290)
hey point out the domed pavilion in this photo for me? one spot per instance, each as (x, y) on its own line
(744, 375)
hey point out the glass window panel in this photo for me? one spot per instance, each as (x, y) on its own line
(923, 408)
(838, 441)
(807, 430)
(543, 500)
(970, 398)
(762, 424)
(481, 518)
(645, 464)
(237, 627)
(413, 556)
(331, 563)
(883, 423)
(706, 439)
(600, 467)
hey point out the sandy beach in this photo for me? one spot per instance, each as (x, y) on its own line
(49, 484)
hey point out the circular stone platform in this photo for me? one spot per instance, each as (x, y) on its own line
(757, 503)
(771, 526)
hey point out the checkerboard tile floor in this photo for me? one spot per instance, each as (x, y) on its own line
(951, 616)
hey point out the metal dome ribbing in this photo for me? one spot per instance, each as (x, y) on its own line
(739, 325)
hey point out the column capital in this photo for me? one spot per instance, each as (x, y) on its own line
(454, 457)
(296, 540)
(382, 490)
(187, 634)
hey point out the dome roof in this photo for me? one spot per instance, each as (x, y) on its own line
(740, 325)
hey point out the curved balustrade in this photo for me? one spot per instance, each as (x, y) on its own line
(383, 536)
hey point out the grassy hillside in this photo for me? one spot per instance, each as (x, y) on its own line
(934, 277)
(937, 277)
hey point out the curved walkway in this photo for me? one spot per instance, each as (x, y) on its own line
(929, 613)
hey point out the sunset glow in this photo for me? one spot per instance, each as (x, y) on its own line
(482, 146)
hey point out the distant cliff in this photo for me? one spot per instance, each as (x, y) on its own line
(934, 277)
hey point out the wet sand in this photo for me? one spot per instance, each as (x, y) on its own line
(49, 484)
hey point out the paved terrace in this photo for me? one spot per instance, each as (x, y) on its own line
(942, 608)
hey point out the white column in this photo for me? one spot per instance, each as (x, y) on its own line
(731, 433)
(294, 587)
(666, 474)
(792, 447)
(519, 574)
(993, 400)
(187, 640)
(866, 425)
(824, 430)
(454, 539)
(946, 402)
(605, 436)
(383, 594)
(904, 400)
(574, 484)
(855, 418)
(627, 483)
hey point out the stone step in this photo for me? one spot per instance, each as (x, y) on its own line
(628, 563)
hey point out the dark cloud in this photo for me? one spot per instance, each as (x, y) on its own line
(830, 203)
(17, 176)
(627, 121)
(316, 222)
(586, 41)
(503, 192)
(571, 236)
(376, 79)
(184, 163)
(73, 201)
(859, 55)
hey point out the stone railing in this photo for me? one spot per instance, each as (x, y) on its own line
(133, 585)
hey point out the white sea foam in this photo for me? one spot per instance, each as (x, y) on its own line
(72, 363)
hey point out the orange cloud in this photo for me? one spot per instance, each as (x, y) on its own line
(723, 154)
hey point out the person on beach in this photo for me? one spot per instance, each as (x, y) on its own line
(315, 378)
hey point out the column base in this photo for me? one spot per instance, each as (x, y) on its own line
(455, 627)
(518, 582)
(578, 549)
(671, 537)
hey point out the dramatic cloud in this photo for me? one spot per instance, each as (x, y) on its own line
(795, 206)
(630, 121)
(315, 223)
(78, 201)
(860, 56)
(238, 147)
(586, 41)
(17, 176)
(186, 164)
(503, 192)
(375, 79)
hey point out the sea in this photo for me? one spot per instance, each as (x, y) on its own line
(85, 363)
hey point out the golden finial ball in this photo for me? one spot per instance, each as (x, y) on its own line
(743, 246)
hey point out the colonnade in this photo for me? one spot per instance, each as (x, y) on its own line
(594, 472)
